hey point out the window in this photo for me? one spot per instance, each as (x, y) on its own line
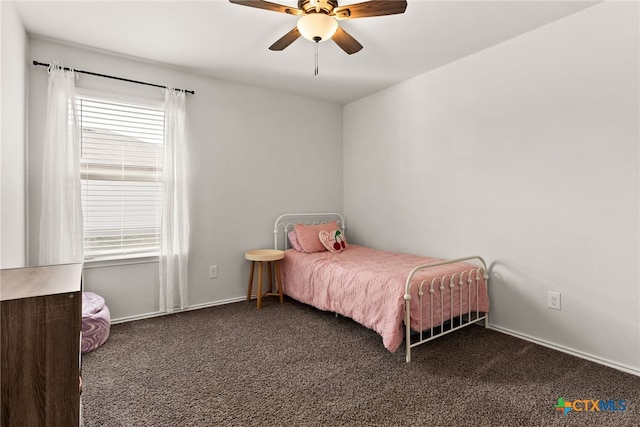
(121, 174)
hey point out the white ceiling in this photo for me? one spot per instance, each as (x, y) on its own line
(230, 42)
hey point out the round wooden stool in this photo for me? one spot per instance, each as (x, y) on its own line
(261, 256)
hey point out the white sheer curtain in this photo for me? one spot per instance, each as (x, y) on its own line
(61, 208)
(174, 234)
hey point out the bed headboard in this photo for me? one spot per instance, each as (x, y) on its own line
(285, 223)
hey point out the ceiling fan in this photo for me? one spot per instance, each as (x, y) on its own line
(318, 19)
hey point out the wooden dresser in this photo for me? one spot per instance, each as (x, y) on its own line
(41, 317)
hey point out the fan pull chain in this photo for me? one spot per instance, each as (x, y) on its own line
(315, 71)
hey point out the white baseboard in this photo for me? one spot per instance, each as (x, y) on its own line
(573, 352)
(164, 313)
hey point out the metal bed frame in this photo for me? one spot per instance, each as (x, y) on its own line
(457, 283)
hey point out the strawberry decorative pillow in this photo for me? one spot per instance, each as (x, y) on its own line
(333, 240)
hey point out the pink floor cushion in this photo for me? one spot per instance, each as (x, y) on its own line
(96, 321)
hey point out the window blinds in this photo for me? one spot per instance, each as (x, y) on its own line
(121, 174)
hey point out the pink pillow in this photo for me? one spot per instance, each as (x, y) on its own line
(307, 236)
(333, 240)
(294, 241)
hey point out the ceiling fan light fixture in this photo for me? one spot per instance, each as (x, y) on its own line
(317, 27)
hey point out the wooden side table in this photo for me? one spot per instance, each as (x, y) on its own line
(262, 256)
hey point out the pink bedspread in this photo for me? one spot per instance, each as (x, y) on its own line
(368, 286)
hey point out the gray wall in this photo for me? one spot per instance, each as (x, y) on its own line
(527, 154)
(13, 175)
(252, 157)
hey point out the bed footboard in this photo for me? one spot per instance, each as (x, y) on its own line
(455, 286)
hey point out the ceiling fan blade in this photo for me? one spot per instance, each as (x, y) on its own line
(286, 40)
(346, 41)
(262, 4)
(370, 8)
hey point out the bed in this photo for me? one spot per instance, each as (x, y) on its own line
(403, 297)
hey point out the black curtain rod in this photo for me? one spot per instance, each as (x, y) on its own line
(112, 77)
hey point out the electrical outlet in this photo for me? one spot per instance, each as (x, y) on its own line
(553, 300)
(213, 271)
